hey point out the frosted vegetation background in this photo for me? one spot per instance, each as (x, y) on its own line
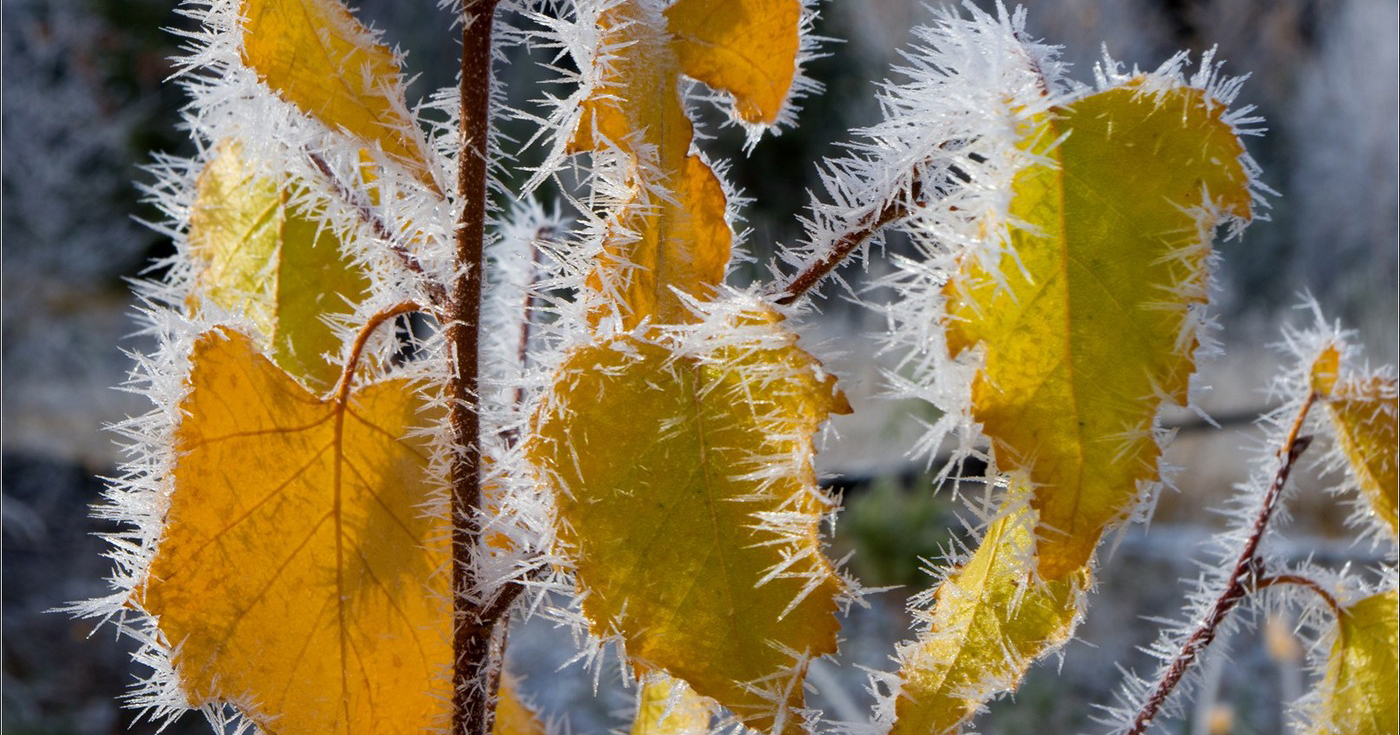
(84, 106)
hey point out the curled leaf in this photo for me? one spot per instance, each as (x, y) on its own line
(688, 504)
(671, 235)
(298, 575)
(261, 255)
(1087, 326)
(990, 619)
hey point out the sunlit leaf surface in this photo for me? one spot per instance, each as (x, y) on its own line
(318, 57)
(1358, 690)
(688, 502)
(261, 256)
(990, 619)
(1363, 415)
(299, 575)
(1086, 328)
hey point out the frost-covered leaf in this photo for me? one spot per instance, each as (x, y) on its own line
(666, 706)
(298, 574)
(1088, 323)
(672, 233)
(689, 507)
(261, 255)
(318, 57)
(747, 48)
(1358, 690)
(1363, 411)
(513, 716)
(990, 619)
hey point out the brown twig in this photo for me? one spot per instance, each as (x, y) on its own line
(1244, 579)
(379, 227)
(864, 228)
(474, 655)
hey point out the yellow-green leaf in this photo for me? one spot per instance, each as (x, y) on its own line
(672, 233)
(1087, 327)
(298, 575)
(991, 618)
(262, 256)
(690, 510)
(1363, 416)
(1358, 690)
(666, 706)
(318, 57)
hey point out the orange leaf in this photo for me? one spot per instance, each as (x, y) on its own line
(672, 233)
(298, 576)
(318, 57)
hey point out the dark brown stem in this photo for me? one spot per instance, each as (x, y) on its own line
(861, 231)
(1244, 579)
(474, 656)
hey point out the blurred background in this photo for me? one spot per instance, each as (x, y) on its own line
(84, 107)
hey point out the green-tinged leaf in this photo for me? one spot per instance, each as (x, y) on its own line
(1358, 690)
(666, 706)
(990, 619)
(297, 575)
(690, 509)
(1363, 415)
(264, 257)
(672, 234)
(1087, 328)
(318, 57)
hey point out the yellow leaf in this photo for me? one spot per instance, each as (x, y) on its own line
(672, 233)
(298, 575)
(513, 716)
(689, 507)
(262, 256)
(1087, 327)
(1358, 690)
(318, 57)
(666, 706)
(1363, 416)
(990, 620)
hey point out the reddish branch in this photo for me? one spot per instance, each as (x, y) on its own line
(475, 660)
(863, 229)
(1246, 577)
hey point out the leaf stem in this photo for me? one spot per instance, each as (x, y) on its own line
(1244, 579)
(1302, 581)
(342, 390)
(472, 631)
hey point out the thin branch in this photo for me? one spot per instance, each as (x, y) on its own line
(864, 229)
(1249, 569)
(379, 227)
